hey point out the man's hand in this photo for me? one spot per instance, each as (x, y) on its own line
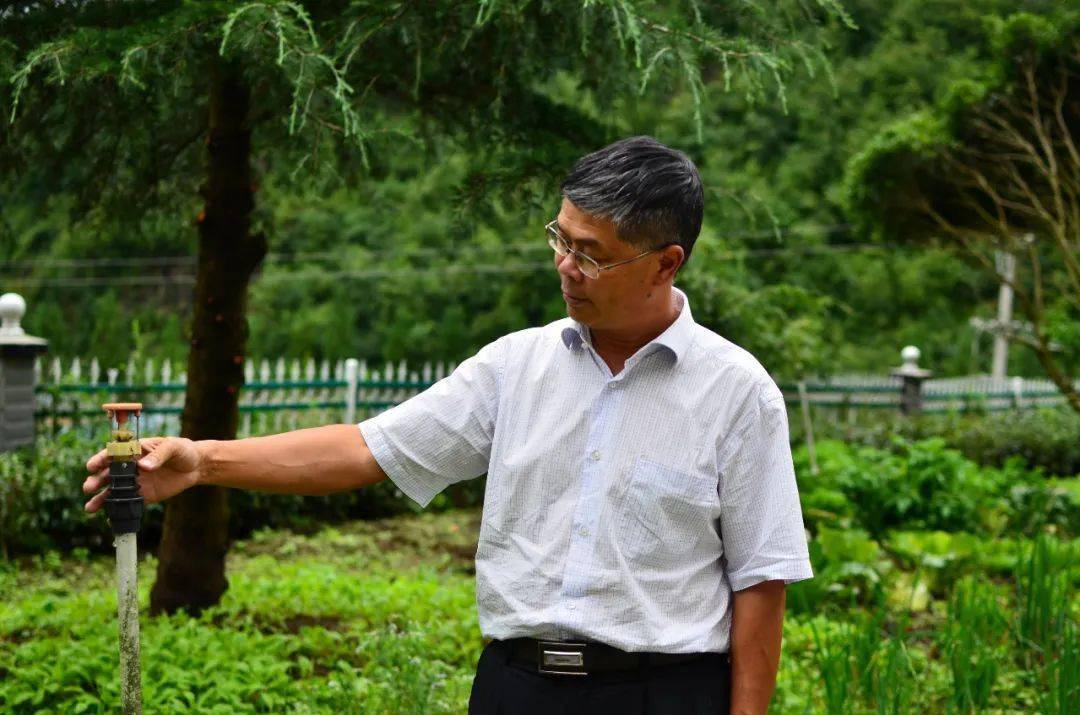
(314, 460)
(169, 465)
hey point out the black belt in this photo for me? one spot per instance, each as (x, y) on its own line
(582, 658)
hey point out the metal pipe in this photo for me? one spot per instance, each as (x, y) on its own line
(127, 611)
(124, 506)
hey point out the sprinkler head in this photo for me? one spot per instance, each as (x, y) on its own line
(123, 505)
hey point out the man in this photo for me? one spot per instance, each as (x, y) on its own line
(641, 517)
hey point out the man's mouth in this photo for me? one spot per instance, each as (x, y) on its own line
(572, 299)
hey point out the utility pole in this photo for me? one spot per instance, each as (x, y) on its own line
(1006, 269)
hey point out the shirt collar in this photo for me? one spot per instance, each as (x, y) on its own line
(676, 338)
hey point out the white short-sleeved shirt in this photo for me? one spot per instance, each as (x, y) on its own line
(618, 508)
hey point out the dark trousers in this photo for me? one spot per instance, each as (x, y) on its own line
(503, 687)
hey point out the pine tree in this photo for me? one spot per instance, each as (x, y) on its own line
(109, 100)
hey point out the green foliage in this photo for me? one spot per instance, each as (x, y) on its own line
(849, 570)
(379, 616)
(886, 183)
(882, 176)
(1043, 580)
(861, 663)
(460, 166)
(769, 170)
(41, 502)
(332, 623)
(982, 171)
(945, 556)
(921, 485)
(973, 642)
(783, 325)
(1063, 694)
(475, 87)
(1045, 624)
(900, 527)
(1046, 439)
(40, 498)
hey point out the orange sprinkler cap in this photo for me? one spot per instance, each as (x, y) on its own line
(121, 409)
(125, 406)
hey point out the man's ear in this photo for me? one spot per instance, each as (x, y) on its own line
(671, 259)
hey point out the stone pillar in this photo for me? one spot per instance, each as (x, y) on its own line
(17, 352)
(912, 376)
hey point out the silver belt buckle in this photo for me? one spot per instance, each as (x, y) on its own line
(557, 658)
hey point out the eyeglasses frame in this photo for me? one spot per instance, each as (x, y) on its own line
(554, 236)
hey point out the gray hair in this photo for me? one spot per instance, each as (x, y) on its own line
(651, 192)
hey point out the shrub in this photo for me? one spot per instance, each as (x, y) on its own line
(919, 485)
(1046, 438)
(925, 485)
(41, 499)
(41, 502)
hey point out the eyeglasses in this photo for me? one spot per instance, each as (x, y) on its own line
(586, 265)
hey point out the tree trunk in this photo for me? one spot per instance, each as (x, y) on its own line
(191, 557)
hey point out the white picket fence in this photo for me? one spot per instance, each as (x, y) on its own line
(281, 394)
(278, 395)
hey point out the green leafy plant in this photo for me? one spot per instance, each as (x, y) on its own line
(972, 641)
(1043, 585)
(41, 502)
(849, 570)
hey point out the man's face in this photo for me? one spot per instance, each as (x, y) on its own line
(616, 299)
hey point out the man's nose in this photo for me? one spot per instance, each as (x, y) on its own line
(567, 266)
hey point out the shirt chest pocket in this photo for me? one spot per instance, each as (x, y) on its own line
(666, 513)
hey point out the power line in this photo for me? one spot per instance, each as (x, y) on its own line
(275, 258)
(283, 257)
(135, 281)
(361, 274)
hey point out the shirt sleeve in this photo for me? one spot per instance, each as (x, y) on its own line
(761, 520)
(444, 434)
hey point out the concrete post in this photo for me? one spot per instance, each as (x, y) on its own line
(1018, 392)
(352, 371)
(17, 352)
(1006, 268)
(912, 377)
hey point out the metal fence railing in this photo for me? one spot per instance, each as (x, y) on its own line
(282, 395)
(976, 392)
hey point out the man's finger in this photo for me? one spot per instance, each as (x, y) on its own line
(96, 501)
(96, 481)
(161, 453)
(149, 443)
(95, 463)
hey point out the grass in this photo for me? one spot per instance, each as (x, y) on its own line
(379, 617)
(972, 642)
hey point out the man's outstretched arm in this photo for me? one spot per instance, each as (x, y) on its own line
(314, 461)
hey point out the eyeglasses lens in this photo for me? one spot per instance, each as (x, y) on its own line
(583, 263)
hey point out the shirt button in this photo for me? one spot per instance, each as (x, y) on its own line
(595, 456)
(583, 531)
(571, 606)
